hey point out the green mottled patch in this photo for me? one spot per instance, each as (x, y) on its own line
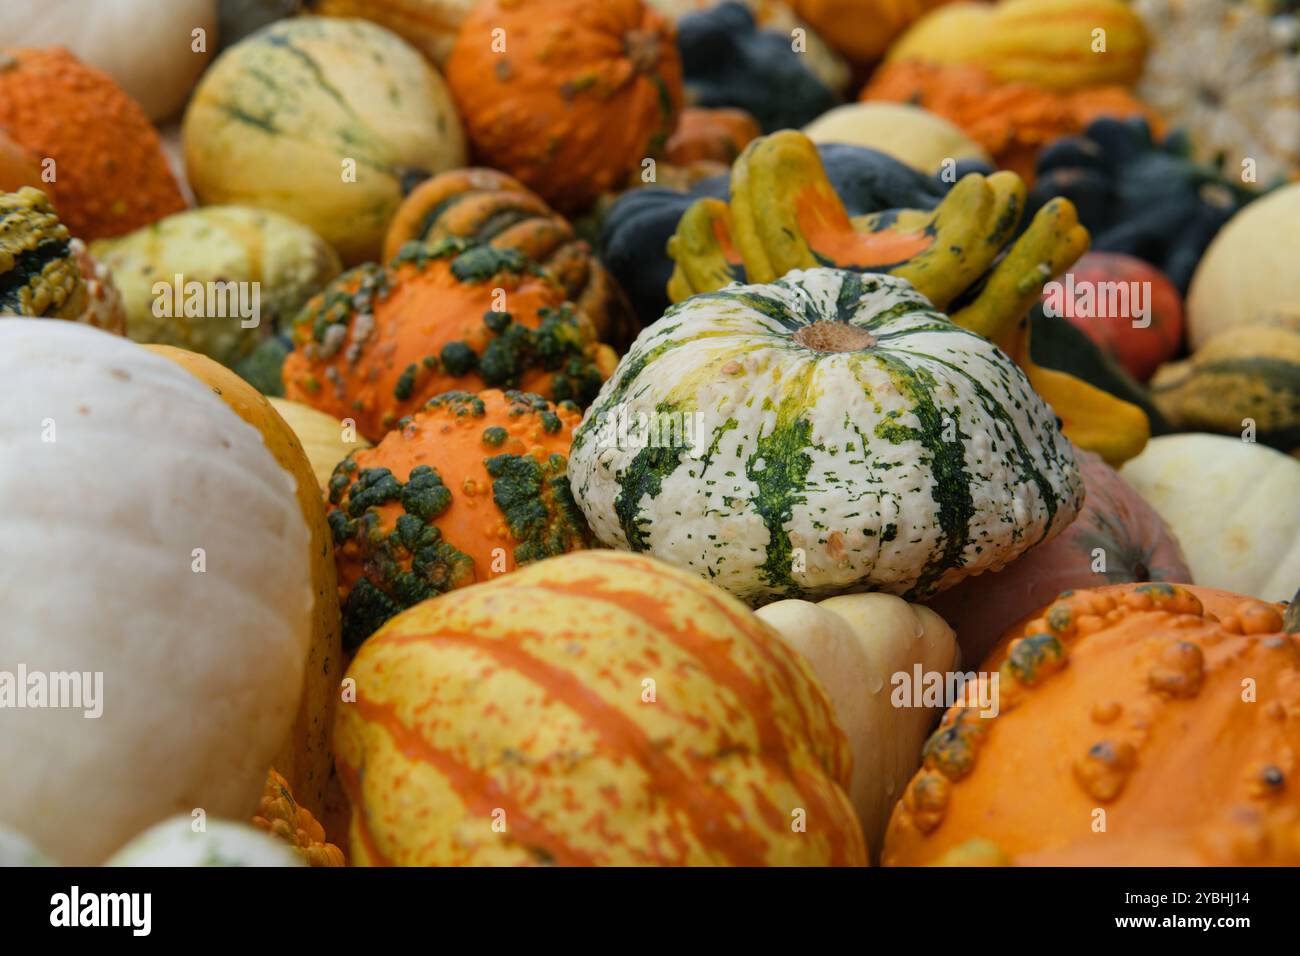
(495, 436)
(1034, 657)
(538, 506)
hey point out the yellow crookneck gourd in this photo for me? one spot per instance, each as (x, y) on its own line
(784, 214)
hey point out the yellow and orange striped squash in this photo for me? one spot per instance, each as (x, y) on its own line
(598, 708)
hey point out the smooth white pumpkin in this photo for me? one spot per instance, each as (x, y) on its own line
(325, 120)
(908, 133)
(148, 535)
(1249, 271)
(325, 439)
(176, 842)
(150, 49)
(17, 850)
(1234, 507)
(857, 644)
(841, 435)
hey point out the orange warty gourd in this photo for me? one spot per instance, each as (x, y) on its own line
(600, 708)
(465, 489)
(380, 342)
(483, 205)
(1171, 709)
(713, 135)
(580, 94)
(279, 814)
(1012, 120)
(111, 175)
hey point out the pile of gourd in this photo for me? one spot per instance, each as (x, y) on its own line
(386, 568)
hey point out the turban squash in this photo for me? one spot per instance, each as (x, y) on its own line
(594, 709)
(483, 205)
(110, 173)
(569, 97)
(784, 213)
(1159, 716)
(828, 431)
(379, 342)
(467, 488)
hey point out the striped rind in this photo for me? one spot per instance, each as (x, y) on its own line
(904, 467)
(524, 702)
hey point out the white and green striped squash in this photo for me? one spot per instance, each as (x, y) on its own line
(834, 432)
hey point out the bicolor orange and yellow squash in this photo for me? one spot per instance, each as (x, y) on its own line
(305, 756)
(567, 95)
(467, 488)
(1158, 716)
(380, 342)
(594, 709)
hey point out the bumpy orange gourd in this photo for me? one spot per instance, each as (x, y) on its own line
(1012, 120)
(467, 488)
(567, 95)
(110, 172)
(305, 756)
(380, 342)
(599, 708)
(279, 814)
(1168, 713)
(484, 205)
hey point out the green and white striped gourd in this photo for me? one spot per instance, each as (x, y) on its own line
(834, 433)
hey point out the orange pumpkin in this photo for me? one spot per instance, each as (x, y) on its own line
(861, 29)
(18, 168)
(712, 135)
(484, 205)
(379, 342)
(1011, 120)
(567, 95)
(467, 488)
(1155, 716)
(280, 815)
(599, 708)
(111, 175)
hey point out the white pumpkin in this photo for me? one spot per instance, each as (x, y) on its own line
(840, 435)
(176, 842)
(325, 439)
(859, 645)
(17, 850)
(1234, 507)
(149, 48)
(150, 540)
(1248, 273)
(908, 133)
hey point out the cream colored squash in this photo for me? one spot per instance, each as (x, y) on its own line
(908, 133)
(147, 536)
(325, 439)
(17, 850)
(324, 120)
(255, 250)
(856, 644)
(149, 48)
(1249, 271)
(1234, 507)
(177, 842)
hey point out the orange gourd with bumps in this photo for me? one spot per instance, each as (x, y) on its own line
(1151, 723)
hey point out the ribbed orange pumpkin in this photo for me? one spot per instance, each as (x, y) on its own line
(567, 95)
(1159, 716)
(484, 205)
(380, 342)
(600, 708)
(111, 175)
(1011, 120)
(861, 29)
(467, 488)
